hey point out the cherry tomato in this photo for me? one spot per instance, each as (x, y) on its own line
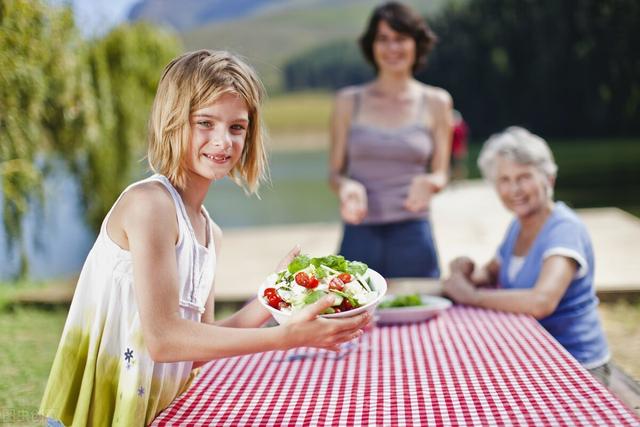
(274, 301)
(313, 282)
(345, 305)
(302, 279)
(270, 291)
(336, 284)
(345, 277)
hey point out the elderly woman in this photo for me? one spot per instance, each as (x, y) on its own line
(544, 266)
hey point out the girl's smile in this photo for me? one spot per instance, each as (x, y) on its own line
(218, 133)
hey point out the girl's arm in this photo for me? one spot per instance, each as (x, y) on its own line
(540, 301)
(352, 194)
(151, 229)
(250, 316)
(424, 186)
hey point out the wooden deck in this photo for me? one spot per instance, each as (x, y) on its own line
(468, 219)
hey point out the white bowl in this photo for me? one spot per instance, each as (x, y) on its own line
(378, 283)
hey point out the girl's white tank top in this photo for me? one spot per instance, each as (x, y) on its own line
(102, 373)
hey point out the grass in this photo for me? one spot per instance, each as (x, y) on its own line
(30, 336)
(621, 322)
(300, 113)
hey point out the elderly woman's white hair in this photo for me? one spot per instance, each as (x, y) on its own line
(519, 145)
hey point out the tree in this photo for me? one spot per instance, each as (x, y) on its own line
(66, 99)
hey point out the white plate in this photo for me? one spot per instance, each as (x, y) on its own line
(378, 282)
(432, 306)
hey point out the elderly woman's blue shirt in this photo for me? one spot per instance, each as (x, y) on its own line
(575, 322)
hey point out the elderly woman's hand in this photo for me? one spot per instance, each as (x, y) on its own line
(420, 192)
(462, 265)
(353, 201)
(460, 289)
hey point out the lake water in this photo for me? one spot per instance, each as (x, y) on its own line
(58, 240)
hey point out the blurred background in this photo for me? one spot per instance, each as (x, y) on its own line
(77, 78)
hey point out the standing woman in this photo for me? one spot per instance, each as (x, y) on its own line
(390, 146)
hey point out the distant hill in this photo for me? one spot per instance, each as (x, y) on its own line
(268, 38)
(184, 15)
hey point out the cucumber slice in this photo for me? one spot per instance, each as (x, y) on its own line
(337, 298)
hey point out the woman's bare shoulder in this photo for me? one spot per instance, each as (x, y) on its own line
(350, 91)
(436, 95)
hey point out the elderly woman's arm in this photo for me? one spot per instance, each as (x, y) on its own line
(486, 276)
(539, 301)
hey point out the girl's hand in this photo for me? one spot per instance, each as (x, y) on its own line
(420, 193)
(284, 262)
(460, 289)
(307, 329)
(353, 201)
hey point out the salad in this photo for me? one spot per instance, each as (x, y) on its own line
(410, 300)
(306, 280)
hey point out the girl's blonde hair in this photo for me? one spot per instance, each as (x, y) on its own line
(193, 81)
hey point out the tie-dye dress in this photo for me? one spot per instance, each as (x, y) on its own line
(102, 373)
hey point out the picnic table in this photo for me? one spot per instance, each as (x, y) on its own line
(467, 366)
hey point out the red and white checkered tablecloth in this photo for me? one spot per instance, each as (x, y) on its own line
(467, 366)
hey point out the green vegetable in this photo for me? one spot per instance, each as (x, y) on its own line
(403, 301)
(352, 301)
(357, 267)
(314, 296)
(299, 263)
(334, 262)
(337, 262)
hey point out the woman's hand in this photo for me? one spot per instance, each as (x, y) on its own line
(284, 262)
(460, 289)
(420, 193)
(307, 329)
(463, 265)
(353, 201)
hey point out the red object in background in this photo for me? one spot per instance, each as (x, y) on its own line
(459, 140)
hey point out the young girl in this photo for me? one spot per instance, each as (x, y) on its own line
(142, 315)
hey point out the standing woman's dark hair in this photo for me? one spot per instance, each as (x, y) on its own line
(403, 20)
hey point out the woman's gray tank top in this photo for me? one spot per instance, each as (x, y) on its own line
(385, 161)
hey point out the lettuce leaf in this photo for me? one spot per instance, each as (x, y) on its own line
(299, 263)
(356, 267)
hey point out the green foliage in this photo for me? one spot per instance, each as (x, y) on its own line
(63, 98)
(329, 66)
(562, 68)
(125, 67)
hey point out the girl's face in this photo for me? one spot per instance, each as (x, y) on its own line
(523, 189)
(218, 133)
(393, 52)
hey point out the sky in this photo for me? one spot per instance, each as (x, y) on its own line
(95, 17)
